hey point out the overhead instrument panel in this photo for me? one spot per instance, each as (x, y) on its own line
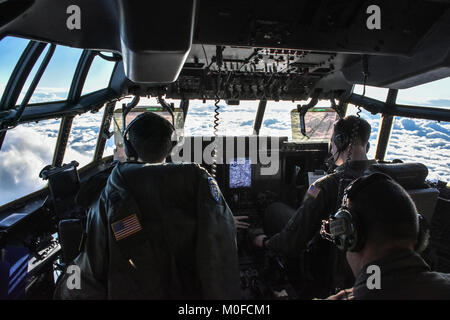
(257, 73)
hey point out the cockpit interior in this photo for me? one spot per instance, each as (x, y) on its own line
(308, 54)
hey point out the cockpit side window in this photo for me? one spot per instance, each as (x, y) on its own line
(11, 49)
(414, 140)
(419, 140)
(99, 75)
(425, 141)
(83, 138)
(31, 76)
(434, 94)
(25, 151)
(57, 78)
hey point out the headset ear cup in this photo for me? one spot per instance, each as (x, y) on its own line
(350, 239)
(341, 141)
(128, 149)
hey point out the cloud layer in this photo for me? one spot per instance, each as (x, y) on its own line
(28, 148)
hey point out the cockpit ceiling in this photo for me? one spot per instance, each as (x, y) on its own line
(285, 49)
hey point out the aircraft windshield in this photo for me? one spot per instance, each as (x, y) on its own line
(240, 120)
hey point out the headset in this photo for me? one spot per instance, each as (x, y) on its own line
(341, 140)
(344, 228)
(128, 146)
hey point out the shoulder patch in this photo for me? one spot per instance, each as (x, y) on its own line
(126, 227)
(214, 188)
(313, 191)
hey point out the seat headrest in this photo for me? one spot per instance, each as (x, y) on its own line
(408, 175)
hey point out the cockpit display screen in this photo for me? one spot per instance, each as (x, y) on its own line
(240, 173)
(319, 124)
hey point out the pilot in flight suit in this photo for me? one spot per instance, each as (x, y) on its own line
(320, 201)
(382, 241)
(158, 231)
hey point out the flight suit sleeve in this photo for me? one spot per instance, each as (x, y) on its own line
(303, 225)
(217, 260)
(91, 262)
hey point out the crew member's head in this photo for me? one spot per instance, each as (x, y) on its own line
(386, 219)
(151, 137)
(341, 139)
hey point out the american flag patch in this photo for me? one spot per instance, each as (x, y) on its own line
(125, 227)
(313, 191)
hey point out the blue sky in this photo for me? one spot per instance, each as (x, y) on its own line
(56, 80)
(29, 147)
